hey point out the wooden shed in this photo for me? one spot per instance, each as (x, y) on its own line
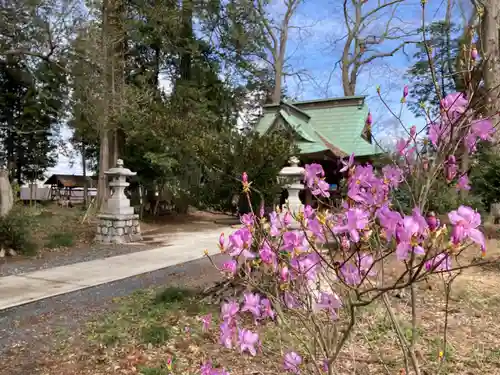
(63, 185)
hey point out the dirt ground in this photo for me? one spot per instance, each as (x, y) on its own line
(148, 331)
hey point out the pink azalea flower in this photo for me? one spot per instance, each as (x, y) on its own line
(411, 228)
(247, 341)
(229, 310)
(347, 164)
(247, 219)
(206, 322)
(465, 222)
(355, 220)
(365, 264)
(292, 362)
(306, 266)
(230, 266)
(313, 175)
(240, 243)
(451, 168)
(483, 129)
(454, 105)
(437, 133)
(389, 220)
(463, 183)
(324, 365)
(393, 175)
(330, 302)
(206, 368)
(441, 262)
(267, 311)
(267, 255)
(295, 241)
(276, 225)
(308, 211)
(350, 274)
(317, 230)
(291, 301)
(226, 335)
(251, 303)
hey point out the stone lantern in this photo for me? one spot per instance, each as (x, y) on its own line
(291, 177)
(117, 221)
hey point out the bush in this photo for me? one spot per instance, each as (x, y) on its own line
(485, 176)
(15, 233)
(261, 156)
(59, 239)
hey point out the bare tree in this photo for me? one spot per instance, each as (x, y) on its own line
(372, 32)
(275, 36)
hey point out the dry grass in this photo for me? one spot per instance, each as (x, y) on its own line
(147, 331)
(53, 227)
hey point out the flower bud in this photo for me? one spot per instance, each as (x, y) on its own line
(432, 221)
(244, 178)
(284, 273)
(221, 241)
(413, 131)
(474, 54)
(369, 119)
(405, 91)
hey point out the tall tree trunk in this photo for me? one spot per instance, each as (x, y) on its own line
(278, 76)
(114, 70)
(187, 35)
(102, 186)
(490, 44)
(84, 172)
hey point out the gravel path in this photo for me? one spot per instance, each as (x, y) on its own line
(9, 266)
(28, 332)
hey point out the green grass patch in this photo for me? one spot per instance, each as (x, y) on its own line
(162, 370)
(155, 334)
(149, 317)
(60, 239)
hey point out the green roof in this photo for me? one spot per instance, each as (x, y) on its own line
(335, 124)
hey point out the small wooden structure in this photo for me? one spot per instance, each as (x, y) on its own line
(63, 186)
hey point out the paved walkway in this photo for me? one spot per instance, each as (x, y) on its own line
(33, 286)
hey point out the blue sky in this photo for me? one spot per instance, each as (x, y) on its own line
(312, 49)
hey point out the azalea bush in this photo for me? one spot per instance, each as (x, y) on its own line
(310, 273)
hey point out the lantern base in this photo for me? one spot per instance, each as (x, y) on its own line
(118, 229)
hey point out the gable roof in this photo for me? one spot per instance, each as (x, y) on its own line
(335, 124)
(69, 180)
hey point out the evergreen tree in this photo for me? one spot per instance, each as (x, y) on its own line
(444, 46)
